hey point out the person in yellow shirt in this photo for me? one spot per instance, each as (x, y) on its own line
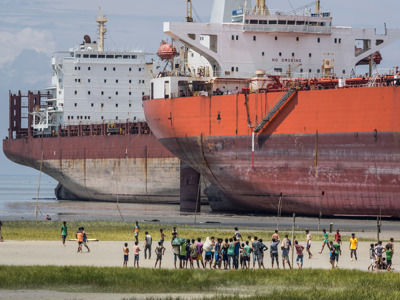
(79, 236)
(353, 246)
(126, 255)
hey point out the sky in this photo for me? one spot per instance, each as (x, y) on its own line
(30, 31)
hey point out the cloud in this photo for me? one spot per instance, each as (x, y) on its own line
(28, 38)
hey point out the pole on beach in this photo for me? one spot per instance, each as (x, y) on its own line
(293, 228)
(279, 211)
(38, 188)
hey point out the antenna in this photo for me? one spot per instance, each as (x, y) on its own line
(102, 29)
(189, 17)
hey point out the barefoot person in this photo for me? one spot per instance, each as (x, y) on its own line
(160, 250)
(299, 252)
(136, 229)
(126, 255)
(79, 236)
(136, 250)
(308, 247)
(326, 240)
(64, 232)
(84, 242)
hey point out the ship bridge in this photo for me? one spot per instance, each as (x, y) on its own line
(237, 42)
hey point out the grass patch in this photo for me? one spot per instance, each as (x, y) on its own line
(122, 231)
(275, 284)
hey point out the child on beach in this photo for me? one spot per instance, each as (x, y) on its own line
(326, 240)
(79, 236)
(64, 232)
(162, 237)
(353, 246)
(338, 251)
(136, 250)
(126, 255)
(299, 253)
(160, 250)
(372, 257)
(331, 254)
(136, 229)
(193, 254)
(388, 258)
(262, 250)
(308, 247)
(84, 242)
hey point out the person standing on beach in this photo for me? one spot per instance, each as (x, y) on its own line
(193, 255)
(199, 245)
(262, 250)
(372, 257)
(79, 236)
(273, 248)
(378, 251)
(1, 237)
(136, 250)
(160, 250)
(285, 251)
(84, 242)
(388, 257)
(308, 247)
(237, 234)
(136, 229)
(126, 255)
(147, 245)
(256, 253)
(326, 240)
(64, 232)
(275, 236)
(331, 254)
(338, 251)
(338, 236)
(162, 237)
(353, 246)
(299, 252)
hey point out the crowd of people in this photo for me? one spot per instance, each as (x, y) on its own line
(238, 252)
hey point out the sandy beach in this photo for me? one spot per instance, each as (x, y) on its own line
(109, 254)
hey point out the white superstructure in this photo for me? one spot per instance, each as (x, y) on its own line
(238, 41)
(93, 85)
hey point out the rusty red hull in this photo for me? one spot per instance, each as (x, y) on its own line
(353, 174)
(126, 168)
(334, 151)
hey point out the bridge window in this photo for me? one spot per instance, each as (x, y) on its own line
(233, 37)
(319, 40)
(262, 53)
(297, 39)
(273, 22)
(105, 68)
(280, 53)
(254, 38)
(276, 38)
(309, 54)
(282, 22)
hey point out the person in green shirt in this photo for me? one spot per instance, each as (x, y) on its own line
(326, 240)
(182, 256)
(338, 251)
(64, 232)
(246, 255)
(388, 257)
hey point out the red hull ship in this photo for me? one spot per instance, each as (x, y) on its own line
(331, 150)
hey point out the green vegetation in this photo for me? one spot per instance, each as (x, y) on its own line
(122, 231)
(274, 284)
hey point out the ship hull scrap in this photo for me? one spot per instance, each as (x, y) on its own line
(331, 152)
(124, 168)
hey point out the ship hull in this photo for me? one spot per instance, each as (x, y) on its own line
(333, 152)
(124, 168)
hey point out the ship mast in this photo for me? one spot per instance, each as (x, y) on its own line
(189, 17)
(318, 7)
(261, 8)
(102, 29)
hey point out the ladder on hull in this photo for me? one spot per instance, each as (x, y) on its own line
(289, 94)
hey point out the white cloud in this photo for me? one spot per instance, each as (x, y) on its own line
(28, 38)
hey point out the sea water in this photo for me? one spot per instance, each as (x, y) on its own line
(20, 195)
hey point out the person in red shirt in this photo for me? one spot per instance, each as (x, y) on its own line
(338, 236)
